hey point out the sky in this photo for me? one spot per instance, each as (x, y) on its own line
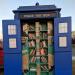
(6, 7)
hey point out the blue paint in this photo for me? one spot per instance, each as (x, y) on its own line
(63, 63)
(12, 64)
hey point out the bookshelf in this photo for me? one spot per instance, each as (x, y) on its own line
(36, 40)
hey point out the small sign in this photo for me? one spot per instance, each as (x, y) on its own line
(38, 15)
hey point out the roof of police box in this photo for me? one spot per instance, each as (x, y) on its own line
(37, 8)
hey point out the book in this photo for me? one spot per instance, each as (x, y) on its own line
(31, 27)
(31, 35)
(33, 59)
(42, 51)
(43, 59)
(32, 43)
(44, 68)
(45, 35)
(43, 27)
(32, 52)
(25, 27)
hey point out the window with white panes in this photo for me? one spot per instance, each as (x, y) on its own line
(11, 29)
(12, 43)
(63, 28)
(62, 41)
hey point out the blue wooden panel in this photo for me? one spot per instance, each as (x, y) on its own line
(12, 64)
(63, 63)
(57, 34)
(6, 36)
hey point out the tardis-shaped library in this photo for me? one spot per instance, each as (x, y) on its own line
(37, 42)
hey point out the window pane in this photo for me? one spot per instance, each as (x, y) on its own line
(63, 28)
(62, 41)
(12, 43)
(11, 29)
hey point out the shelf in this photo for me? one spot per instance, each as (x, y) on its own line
(31, 39)
(44, 47)
(41, 55)
(32, 47)
(43, 30)
(31, 31)
(32, 63)
(44, 71)
(38, 55)
(43, 39)
(33, 70)
(43, 63)
(32, 55)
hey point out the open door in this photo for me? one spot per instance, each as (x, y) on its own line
(12, 47)
(62, 46)
(11, 36)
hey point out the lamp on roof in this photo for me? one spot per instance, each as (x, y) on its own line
(37, 4)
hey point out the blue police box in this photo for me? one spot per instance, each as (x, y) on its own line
(12, 40)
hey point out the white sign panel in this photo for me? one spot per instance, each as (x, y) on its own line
(12, 43)
(63, 28)
(62, 41)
